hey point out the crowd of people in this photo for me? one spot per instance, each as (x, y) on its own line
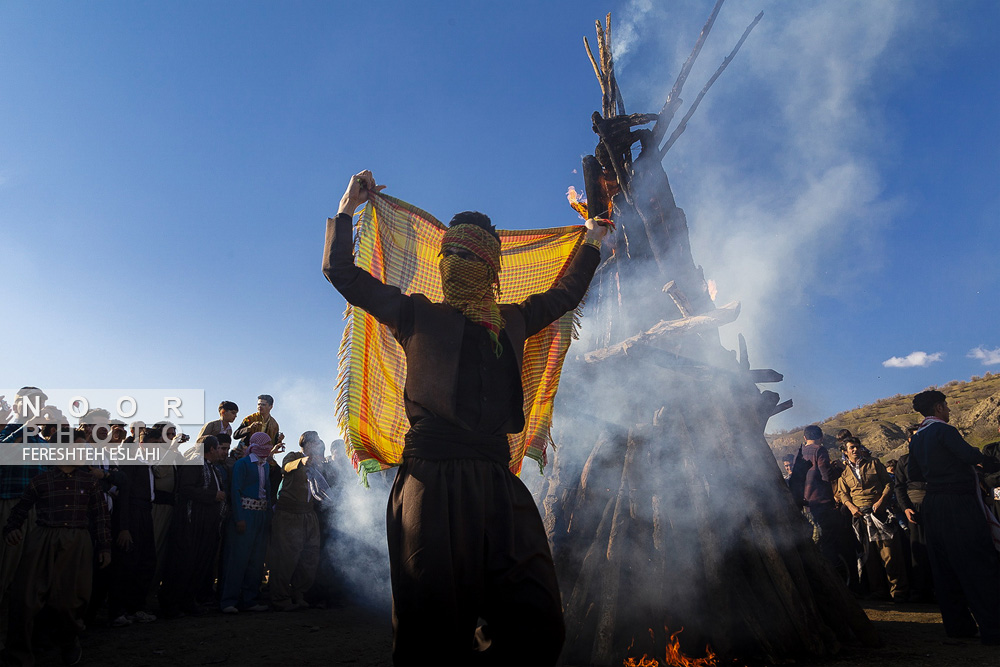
(219, 523)
(919, 529)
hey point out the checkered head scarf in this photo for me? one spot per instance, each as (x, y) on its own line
(472, 286)
(260, 444)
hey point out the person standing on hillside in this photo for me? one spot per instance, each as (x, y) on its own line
(865, 488)
(960, 543)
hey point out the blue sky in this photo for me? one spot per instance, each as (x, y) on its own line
(166, 170)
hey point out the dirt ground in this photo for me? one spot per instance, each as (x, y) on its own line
(912, 634)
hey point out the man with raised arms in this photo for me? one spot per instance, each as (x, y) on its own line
(465, 538)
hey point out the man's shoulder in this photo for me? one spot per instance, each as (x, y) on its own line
(939, 427)
(424, 304)
(290, 458)
(873, 464)
(935, 431)
(811, 451)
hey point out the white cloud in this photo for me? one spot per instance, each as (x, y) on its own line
(988, 357)
(913, 360)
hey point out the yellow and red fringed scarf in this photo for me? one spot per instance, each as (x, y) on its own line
(400, 244)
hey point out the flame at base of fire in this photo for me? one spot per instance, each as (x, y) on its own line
(673, 656)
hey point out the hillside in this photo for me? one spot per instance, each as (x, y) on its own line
(975, 410)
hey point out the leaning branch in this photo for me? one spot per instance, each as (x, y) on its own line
(685, 325)
(673, 99)
(725, 63)
(593, 61)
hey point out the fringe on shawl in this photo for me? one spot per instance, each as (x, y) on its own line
(345, 358)
(545, 430)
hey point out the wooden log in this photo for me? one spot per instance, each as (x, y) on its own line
(815, 581)
(615, 157)
(697, 101)
(677, 296)
(760, 502)
(581, 607)
(717, 587)
(673, 100)
(598, 204)
(765, 375)
(619, 521)
(685, 325)
(744, 356)
(765, 407)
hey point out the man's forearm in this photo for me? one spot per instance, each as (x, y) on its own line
(358, 287)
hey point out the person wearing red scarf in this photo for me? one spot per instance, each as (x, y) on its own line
(248, 528)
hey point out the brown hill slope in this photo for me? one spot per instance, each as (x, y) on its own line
(975, 411)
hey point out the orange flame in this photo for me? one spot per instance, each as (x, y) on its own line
(579, 205)
(673, 656)
(713, 290)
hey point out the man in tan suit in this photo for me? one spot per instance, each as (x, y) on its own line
(865, 487)
(261, 421)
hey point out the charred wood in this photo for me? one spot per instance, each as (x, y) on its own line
(679, 299)
(686, 325)
(694, 106)
(765, 376)
(781, 407)
(744, 355)
(673, 98)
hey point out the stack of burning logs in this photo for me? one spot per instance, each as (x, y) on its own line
(678, 517)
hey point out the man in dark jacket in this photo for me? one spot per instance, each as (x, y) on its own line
(960, 546)
(818, 494)
(194, 532)
(991, 480)
(910, 497)
(465, 538)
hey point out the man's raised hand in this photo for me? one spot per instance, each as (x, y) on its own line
(597, 229)
(361, 185)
